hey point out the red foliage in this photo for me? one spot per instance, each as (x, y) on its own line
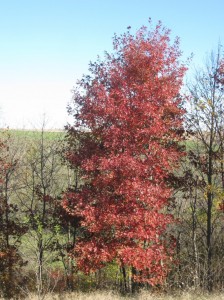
(11, 228)
(128, 118)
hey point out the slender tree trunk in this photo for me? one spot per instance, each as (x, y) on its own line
(40, 270)
(123, 270)
(194, 236)
(209, 248)
(209, 219)
(134, 284)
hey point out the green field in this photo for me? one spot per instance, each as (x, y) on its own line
(34, 134)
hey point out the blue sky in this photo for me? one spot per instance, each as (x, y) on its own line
(46, 45)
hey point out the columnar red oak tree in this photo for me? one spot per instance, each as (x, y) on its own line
(127, 123)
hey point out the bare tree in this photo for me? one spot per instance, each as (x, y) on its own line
(11, 226)
(42, 181)
(205, 122)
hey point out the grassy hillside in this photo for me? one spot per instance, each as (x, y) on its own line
(34, 134)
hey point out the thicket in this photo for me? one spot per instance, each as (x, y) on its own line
(48, 236)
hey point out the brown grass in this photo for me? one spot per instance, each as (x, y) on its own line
(144, 295)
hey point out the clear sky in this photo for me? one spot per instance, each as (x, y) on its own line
(46, 45)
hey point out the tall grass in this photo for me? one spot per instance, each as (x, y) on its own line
(144, 295)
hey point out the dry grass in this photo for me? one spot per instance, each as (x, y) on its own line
(144, 295)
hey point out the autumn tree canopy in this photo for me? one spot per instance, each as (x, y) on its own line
(127, 122)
